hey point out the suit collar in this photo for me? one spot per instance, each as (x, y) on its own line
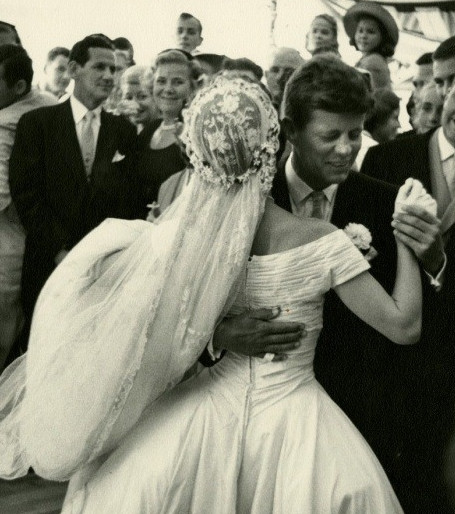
(299, 189)
(79, 110)
(280, 190)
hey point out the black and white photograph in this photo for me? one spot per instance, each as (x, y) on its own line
(227, 270)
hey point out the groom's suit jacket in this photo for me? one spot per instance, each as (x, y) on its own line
(366, 374)
(56, 202)
(351, 357)
(431, 392)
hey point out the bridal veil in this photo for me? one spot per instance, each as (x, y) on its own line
(133, 305)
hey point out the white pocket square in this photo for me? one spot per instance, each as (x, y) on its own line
(118, 157)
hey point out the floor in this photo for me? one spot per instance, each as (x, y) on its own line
(31, 495)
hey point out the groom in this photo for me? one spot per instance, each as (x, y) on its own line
(323, 112)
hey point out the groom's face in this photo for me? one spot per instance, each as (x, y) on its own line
(325, 149)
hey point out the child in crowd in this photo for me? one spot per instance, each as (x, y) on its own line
(322, 35)
(373, 32)
(189, 30)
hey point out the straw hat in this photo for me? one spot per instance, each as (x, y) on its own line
(371, 10)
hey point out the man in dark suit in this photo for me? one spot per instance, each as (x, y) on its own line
(430, 158)
(72, 166)
(324, 107)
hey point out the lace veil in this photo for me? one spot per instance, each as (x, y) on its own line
(133, 305)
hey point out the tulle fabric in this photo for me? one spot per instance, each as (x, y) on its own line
(110, 335)
(132, 306)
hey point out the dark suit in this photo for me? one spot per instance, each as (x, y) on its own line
(351, 357)
(57, 204)
(431, 395)
(367, 375)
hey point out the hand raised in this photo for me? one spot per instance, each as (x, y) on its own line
(254, 334)
(419, 229)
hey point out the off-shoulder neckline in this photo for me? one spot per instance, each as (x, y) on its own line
(296, 249)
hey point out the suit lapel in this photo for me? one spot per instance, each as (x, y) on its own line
(280, 190)
(342, 208)
(66, 136)
(105, 139)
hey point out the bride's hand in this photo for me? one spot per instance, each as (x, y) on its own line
(417, 226)
(412, 192)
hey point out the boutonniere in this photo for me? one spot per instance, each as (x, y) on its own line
(361, 237)
(117, 157)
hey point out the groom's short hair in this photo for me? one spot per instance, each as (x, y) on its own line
(324, 83)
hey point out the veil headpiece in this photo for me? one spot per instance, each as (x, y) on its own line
(231, 132)
(134, 304)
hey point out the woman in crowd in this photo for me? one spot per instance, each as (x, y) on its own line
(249, 435)
(136, 100)
(428, 109)
(323, 35)
(381, 122)
(373, 32)
(174, 82)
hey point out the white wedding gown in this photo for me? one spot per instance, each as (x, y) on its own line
(248, 436)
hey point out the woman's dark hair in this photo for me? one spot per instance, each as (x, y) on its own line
(386, 47)
(326, 83)
(385, 103)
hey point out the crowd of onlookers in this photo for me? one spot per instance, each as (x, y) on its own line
(99, 137)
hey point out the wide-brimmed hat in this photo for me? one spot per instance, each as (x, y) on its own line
(372, 10)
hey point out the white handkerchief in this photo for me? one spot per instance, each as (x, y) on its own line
(412, 192)
(118, 157)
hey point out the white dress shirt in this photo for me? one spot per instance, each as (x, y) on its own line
(79, 111)
(301, 194)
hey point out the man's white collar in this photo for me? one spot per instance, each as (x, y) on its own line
(79, 109)
(446, 150)
(299, 189)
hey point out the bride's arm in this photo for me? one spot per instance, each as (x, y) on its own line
(399, 316)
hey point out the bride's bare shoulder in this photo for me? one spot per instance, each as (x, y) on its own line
(280, 231)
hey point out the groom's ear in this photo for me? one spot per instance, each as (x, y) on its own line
(289, 128)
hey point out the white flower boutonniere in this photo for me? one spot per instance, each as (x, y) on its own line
(361, 237)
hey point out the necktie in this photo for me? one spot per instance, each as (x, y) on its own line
(88, 141)
(318, 199)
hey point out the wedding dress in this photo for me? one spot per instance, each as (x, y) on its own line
(249, 436)
(132, 306)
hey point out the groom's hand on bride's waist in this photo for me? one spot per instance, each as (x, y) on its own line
(253, 333)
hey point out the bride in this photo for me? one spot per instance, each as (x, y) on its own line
(133, 305)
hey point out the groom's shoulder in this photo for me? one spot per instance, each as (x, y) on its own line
(371, 196)
(366, 186)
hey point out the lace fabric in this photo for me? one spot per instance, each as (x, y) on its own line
(133, 305)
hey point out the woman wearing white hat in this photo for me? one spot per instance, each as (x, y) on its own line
(372, 31)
